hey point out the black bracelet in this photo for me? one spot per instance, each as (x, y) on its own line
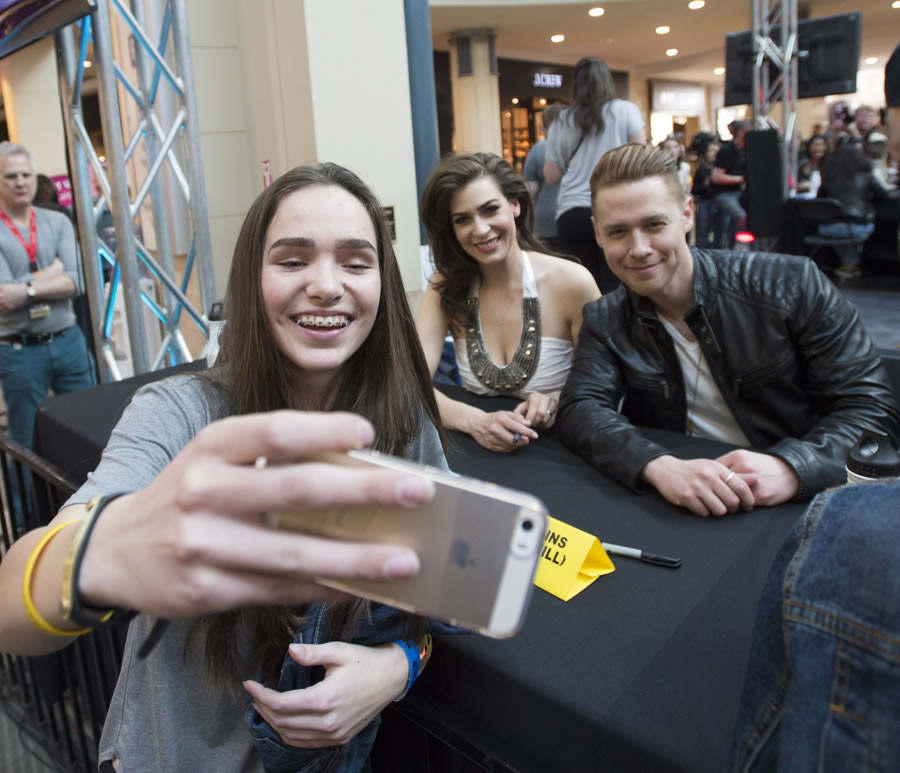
(70, 605)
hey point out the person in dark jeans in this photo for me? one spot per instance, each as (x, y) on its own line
(728, 185)
(702, 192)
(822, 688)
(595, 122)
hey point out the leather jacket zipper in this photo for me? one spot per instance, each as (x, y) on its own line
(749, 378)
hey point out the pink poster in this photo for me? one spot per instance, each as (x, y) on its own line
(63, 188)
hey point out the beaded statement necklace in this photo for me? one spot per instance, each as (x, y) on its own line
(510, 378)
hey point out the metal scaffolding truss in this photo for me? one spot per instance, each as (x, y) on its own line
(775, 75)
(160, 85)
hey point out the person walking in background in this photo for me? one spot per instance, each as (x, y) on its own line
(41, 347)
(701, 189)
(595, 123)
(543, 194)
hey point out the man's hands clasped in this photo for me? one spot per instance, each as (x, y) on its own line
(738, 481)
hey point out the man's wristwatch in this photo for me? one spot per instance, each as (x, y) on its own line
(30, 290)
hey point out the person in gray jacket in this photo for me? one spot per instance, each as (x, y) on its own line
(754, 349)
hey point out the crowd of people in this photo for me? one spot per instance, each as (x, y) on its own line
(322, 353)
(716, 172)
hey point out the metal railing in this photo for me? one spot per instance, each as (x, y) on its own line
(62, 697)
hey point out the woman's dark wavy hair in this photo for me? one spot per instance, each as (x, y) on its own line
(592, 88)
(459, 270)
(386, 380)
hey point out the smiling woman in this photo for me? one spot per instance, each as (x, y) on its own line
(514, 316)
(318, 330)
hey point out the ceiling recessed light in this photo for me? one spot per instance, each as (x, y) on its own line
(695, 4)
(895, 4)
(596, 12)
(672, 52)
(662, 30)
(557, 38)
(871, 60)
(88, 63)
(719, 71)
(515, 100)
(543, 101)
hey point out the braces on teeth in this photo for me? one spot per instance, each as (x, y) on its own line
(311, 321)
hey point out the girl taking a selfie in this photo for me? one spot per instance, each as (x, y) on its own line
(319, 354)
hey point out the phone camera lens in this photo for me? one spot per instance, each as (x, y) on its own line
(527, 525)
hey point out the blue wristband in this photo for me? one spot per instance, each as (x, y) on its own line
(414, 658)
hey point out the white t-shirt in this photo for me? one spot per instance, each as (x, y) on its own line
(708, 415)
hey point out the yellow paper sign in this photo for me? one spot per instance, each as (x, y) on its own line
(571, 559)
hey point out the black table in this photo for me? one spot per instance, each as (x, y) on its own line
(641, 671)
(71, 430)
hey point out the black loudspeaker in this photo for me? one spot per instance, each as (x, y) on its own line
(764, 194)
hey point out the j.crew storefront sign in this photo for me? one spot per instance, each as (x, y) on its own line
(548, 80)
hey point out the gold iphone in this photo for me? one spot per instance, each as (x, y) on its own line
(478, 544)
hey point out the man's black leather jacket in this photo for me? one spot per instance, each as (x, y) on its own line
(789, 355)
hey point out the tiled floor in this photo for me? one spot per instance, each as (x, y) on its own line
(878, 301)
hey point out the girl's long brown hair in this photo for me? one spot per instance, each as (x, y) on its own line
(386, 380)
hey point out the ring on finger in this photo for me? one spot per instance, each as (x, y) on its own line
(516, 438)
(729, 477)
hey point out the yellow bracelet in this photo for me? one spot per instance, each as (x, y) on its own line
(33, 615)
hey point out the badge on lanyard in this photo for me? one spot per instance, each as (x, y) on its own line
(31, 247)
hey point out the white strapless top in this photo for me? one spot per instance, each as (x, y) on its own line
(552, 368)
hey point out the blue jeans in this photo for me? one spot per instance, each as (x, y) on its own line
(727, 213)
(847, 253)
(382, 626)
(27, 373)
(822, 689)
(704, 222)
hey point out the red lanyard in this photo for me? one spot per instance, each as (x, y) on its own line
(31, 247)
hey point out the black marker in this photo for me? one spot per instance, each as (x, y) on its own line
(642, 555)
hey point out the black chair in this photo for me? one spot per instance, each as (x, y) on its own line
(821, 211)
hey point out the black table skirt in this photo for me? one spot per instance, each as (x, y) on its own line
(71, 430)
(640, 671)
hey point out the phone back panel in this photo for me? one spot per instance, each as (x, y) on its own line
(478, 544)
